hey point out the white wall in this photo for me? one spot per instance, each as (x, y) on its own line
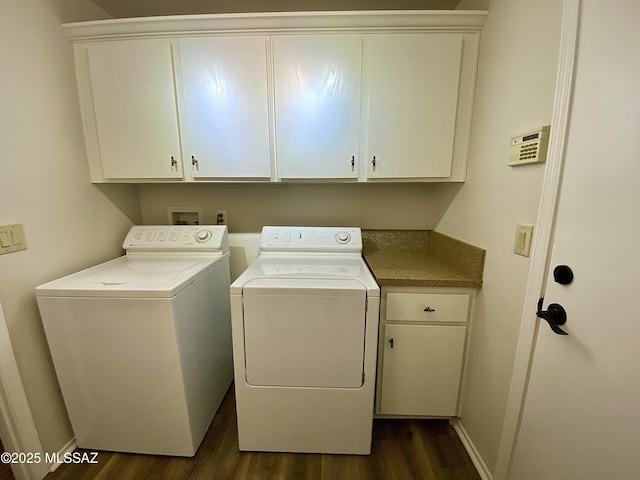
(473, 5)
(250, 206)
(79, 11)
(69, 223)
(145, 8)
(515, 91)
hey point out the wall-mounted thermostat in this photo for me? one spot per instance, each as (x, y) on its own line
(530, 147)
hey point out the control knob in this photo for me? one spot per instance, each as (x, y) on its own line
(203, 235)
(343, 237)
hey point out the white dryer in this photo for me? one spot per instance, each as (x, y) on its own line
(142, 344)
(305, 323)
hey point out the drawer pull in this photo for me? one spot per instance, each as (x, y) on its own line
(391, 342)
(429, 309)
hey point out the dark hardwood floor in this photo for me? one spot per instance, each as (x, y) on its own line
(5, 469)
(402, 450)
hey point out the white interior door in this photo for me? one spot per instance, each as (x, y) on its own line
(580, 417)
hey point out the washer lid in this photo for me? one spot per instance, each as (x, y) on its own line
(133, 276)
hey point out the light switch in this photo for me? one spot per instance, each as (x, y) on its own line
(5, 240)
(524, 234)
(12, 238)
(16, 236)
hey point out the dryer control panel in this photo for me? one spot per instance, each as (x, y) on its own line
(311, 239)
(177, 238)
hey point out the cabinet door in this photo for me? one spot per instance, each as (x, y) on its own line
(421, 372)
(317, 105)
(413, 96)
(226, 115)
(134, 103)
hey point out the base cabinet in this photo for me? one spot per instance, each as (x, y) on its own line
(423, 336)
(422, 365)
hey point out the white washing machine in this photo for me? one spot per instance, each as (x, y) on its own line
(305, 323)
(142, 344)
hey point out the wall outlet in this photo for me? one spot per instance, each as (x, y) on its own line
(522, 245)
(221, 217)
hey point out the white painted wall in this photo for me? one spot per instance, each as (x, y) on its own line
(80, 11)
(515, 91)
(145, 8)
(251, 206)
(473, 5)
(69, 223)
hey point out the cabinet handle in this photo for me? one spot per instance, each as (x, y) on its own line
(353, 162)
(391, 342)
(174, 163)
(373, 162)
(429, 309)
(194, 163)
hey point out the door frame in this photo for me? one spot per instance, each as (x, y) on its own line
(17, 428)
(543, 238)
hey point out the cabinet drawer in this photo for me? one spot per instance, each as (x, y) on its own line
(427, 307)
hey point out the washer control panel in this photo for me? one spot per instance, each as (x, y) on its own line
(311, 239)
(177, 238)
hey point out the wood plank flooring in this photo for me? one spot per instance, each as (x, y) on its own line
(402, 450)
(5, 469)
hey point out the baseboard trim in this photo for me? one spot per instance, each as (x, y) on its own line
(69, 447)
(483, 471)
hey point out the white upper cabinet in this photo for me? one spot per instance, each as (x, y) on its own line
(317, 90)
(285, 96)
(129, 110)
(225, 114)
(413, 84)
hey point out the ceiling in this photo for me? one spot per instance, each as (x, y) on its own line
(148, 8)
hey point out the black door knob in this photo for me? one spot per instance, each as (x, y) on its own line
(563, 275)
(555, 315)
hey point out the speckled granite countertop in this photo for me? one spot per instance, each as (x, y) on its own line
(422, 258)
